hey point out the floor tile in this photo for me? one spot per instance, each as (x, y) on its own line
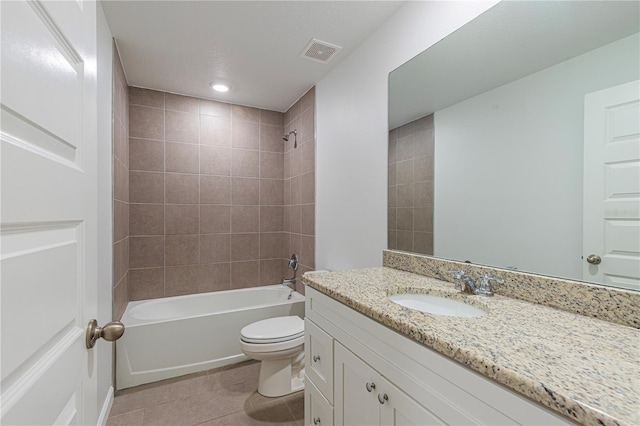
(132, 418)
(274, 413)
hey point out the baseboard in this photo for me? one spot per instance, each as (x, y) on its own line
(106, 408)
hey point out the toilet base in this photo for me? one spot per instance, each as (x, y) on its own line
(276, 378)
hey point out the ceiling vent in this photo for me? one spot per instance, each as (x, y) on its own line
(320, 51)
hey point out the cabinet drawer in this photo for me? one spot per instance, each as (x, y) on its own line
(317, 410)
(319, 358)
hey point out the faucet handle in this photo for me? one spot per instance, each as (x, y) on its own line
(485, 286)
(457, 274)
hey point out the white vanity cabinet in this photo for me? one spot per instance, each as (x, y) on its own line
(377, 376)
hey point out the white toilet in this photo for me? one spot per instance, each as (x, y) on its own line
(279, 344)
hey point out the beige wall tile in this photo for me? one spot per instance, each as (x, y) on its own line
(146, 97)
(181, 219)
(308, 188)
(307, 157)
(215, 131)
(270, 272)
(405, 148)
(219, 109)
(423, 242)
(245, 163)
(287, 191)
(243, 113)
(215, 160)
(393, 196)
(272, 245)
(146, 154)
(404, 240)
(308, 219)
(308, 251)
(120, 259)
(181, 280)
(145, 122)
(272, 165)
(215, 190)
(215, 219)
(423, 168)
(405, 219)
(146, 283)
(146, 219)
(120, 143)
(146, 187)
(245, 247)
(146, 252)
(295, 224)
(271, 138)
(182, 158)
(245, 135)
(182, 188)
(405, 195)
(308, 100)
(245, 191)
(245, 274)
(120, 181)
(423, 194)
(182, 250)
(404, 172)
(215, 248)
(423, 219)
(271, 218)
(216, 277)
(272, 192)
(182, 127)
(391, 218)
(306, 130)
(245, 219)
(296, 190)
(120, 298)
(120, 220)
(181, 103)
(392, 239)
(273, 118)
(392, 174)
(423, 143)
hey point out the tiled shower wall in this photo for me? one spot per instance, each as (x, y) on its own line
(411, 153)
(120, 132)
(207, 195)
(299, 184)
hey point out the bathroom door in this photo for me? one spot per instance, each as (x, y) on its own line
(48, 212)
(611, 233)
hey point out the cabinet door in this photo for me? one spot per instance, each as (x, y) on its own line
(356, 385)
(317, 410)
(319, 358)
(399, 409)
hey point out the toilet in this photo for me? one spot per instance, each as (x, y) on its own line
(279, 344)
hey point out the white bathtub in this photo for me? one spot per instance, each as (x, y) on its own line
(179, 335)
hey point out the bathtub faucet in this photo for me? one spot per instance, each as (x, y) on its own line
(293, 264)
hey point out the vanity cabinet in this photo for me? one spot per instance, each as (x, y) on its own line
(364, 373)
(364, 397)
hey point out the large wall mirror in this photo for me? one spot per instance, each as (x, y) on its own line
(515, 142)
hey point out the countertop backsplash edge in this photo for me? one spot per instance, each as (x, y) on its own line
(615, 305)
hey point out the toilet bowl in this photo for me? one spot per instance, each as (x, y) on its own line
(279, 344)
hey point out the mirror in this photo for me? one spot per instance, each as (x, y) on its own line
(496, 142)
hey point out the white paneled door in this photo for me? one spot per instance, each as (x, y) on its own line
(611, 238)
(48, 212)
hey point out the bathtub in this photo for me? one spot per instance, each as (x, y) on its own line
(173, 336)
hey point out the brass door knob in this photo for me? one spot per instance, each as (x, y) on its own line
(594, 259)
(111, 331)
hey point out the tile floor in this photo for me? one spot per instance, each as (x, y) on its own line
(226, 396)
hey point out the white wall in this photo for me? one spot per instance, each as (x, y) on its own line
(105, 209)
(351, 119)
(509, 165)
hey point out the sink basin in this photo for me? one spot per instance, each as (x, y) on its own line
(437, 305)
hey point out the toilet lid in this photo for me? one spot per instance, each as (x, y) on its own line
(273, 330)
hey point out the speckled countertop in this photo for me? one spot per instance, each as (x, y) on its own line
(584, 368)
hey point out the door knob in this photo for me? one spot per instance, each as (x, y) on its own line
(594, 259)
(111, 331)
(370, 386)
(382, 398)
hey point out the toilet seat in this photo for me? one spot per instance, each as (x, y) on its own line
(273, 330)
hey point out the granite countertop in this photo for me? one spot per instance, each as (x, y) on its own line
(584, 368)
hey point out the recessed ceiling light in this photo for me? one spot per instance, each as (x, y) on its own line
(220, 87)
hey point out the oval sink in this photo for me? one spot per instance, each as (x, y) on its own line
(437, 305)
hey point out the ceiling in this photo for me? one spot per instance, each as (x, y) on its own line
(183, 46)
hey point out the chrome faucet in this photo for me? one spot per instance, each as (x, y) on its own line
(293, 264)
(466, 284)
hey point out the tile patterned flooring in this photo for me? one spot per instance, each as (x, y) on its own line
(227, 396)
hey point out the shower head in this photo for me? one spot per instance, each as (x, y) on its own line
(295, 137)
